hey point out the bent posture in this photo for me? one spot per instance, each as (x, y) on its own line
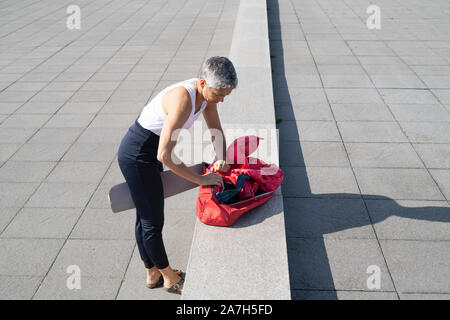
(149, 143)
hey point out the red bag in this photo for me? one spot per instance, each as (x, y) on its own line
(263, 179)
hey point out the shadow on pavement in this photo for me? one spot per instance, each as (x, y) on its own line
(321, 215)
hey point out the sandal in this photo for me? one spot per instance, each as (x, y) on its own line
(160, 281)
(175, 287)
(158, 284)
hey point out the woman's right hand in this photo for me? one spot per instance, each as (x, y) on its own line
(211, 178)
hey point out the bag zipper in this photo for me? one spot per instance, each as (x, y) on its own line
(259, 195)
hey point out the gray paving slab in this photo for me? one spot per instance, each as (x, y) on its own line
(310, 111)
(434, 155)
(54, 287)
(18, 287)
(424, 296)
(342, 295)
(113, 121)
(353, 95)
(122, 108)
(427, 132)
(49, 152)
(300, 95)
(407, 96)
(56, 135)
(95, 258)
(39, 107)
(8, 149)
(308, 131)
(102, 224)
(25, 171)
(25, 121)
(442, 178)
(42, 223)
(15, 135)
(7, 108)
(52, 96)
(39, 254)
(99, 152)
(327, 218)
(6, 217)
(61, 194)
(69, 121)
(346, 81)
(373, 131)
(378, 155)
(419, 112)
(102, 135)
(442, 94)
(410, 219)
(319, 182)
(15, 96)
(313, 154)
(15, 194)
(335, 264)
(424, 261)
(399, 183)
(361, 112)
(81, 107)
(398, 81)
(78, 172)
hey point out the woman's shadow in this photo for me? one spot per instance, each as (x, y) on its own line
(313, 216)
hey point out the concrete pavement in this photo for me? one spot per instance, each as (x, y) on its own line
(364, 142)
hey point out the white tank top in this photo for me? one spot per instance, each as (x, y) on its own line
(152, 116)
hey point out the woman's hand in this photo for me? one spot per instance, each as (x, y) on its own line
(221, 165)
(211, 178)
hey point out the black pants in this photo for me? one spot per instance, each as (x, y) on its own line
(141, 169)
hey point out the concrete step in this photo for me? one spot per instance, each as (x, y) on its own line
(249, 259)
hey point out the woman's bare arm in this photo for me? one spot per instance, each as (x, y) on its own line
(211, 116)
(179, 107)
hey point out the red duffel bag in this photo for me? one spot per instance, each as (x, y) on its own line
(253, 182)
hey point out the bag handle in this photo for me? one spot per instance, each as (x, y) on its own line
(226, 195)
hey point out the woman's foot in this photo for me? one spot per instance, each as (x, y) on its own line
(154, 277)
(173, 281)
(176, 287)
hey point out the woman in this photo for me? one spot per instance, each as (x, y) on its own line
(148, 144)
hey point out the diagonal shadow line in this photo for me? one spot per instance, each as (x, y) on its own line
(310, 217)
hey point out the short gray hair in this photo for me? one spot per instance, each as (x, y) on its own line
(219, 73)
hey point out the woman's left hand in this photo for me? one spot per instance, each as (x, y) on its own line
(221, 165)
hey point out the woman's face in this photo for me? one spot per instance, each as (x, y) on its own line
(214, 95)
(217, 95)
